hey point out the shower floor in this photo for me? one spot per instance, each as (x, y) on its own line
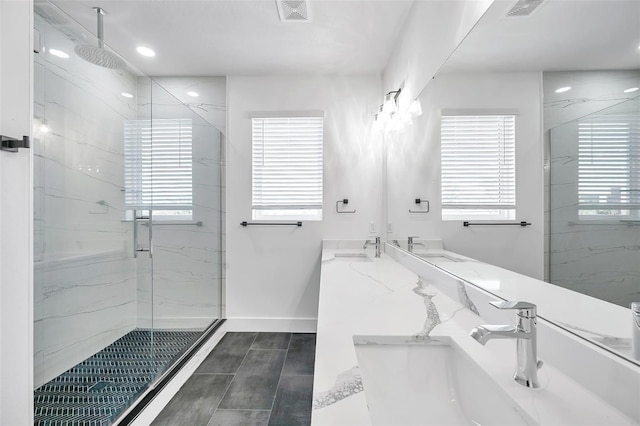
(95, 391)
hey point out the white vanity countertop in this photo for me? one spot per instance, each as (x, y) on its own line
(383, 299)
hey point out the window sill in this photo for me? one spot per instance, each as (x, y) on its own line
(168, 222)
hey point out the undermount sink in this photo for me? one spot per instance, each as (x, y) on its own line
(439, 257)
(352, 257)
(430, 383)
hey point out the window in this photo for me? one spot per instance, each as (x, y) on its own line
(287, 168)
(609, 167)
(478, 167)
(158, 167)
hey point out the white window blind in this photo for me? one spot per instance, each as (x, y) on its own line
(158, 164)
(287, 167)
(609, 165)
(478, 166)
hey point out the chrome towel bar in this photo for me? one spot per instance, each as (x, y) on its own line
(523, 223)
(245, 223)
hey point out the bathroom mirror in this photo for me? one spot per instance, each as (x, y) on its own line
(512, 62)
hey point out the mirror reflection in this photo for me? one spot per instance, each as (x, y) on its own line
(593, 143)
(575, 196)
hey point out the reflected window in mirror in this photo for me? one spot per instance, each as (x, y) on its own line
(478, 167)
(609, 167)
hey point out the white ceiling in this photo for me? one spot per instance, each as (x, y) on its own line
(560, 35)
(591, 92)
(232, 37)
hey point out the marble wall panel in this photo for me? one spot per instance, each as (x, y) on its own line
(593, 256)
(85, 278)
(82, 305)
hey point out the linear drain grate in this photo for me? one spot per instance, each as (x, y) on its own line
(95, 391)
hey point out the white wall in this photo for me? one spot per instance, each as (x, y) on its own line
(16, 278)
(273, 273)
(432, 32)
(414, 170)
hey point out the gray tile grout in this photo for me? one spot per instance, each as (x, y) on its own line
(297, 375)
(275, 395)
(234, 377)
(242, 409)
(240, 366)
(285, 361)
(271, 349)
(253, 349)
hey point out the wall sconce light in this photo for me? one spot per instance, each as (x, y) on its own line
(415, 109)
(391, 118)
(390, 104)
(382, 115)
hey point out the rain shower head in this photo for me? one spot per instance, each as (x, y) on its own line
(98, 55)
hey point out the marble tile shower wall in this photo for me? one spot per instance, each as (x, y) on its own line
(597, 259)
(85, 290)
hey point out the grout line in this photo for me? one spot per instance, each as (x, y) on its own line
(245, 354)
(242, 409)
(277, 349)
(297, 375)
(234, 377)
(275, 395)
(213, 374)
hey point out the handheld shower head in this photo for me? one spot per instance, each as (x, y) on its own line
(97, 54)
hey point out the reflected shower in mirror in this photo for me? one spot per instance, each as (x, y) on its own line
(581, 197)
(593, 150)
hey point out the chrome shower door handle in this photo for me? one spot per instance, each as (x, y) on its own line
(136, 219)
(150, 233)
(135, 233)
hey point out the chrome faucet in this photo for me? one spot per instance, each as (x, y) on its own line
(411, 244)
(526, 340)
(376, 242)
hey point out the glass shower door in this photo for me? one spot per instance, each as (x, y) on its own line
(90, 361)
(116, 300)
(186, 225)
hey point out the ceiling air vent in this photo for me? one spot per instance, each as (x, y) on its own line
(293, 10)
(524, 8)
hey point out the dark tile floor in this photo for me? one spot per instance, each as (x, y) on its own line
(249, 379)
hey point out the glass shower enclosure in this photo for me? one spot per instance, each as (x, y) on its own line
(593, 152)
(128, 229)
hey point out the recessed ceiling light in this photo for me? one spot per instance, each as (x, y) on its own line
(563, 89)
(193, 94)
(145, 51)
(59, 53)
(127, 95)
(631, 89)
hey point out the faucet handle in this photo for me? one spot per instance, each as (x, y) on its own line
(526, 309)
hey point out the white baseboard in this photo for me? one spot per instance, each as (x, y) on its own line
(154, 408)
(289, 325)
(176, 323)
